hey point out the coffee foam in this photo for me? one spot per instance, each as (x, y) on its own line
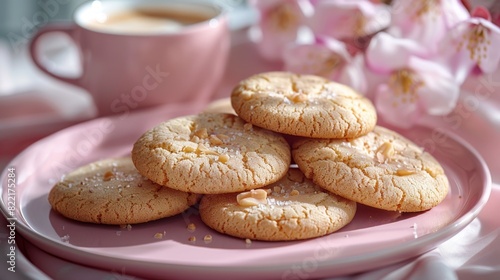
(147, 19)
(135, 22)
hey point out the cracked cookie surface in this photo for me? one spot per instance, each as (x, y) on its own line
(211, 153)
(382, 169)
(294, 209)
(112, 191)
(303, 105)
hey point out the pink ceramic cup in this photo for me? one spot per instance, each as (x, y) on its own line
(129, 68)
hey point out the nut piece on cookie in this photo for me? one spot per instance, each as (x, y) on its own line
(293, 208)
(381, 169)
(252, 197)
(297, 97)
(303, 105)
(404, 172)
(384, 152)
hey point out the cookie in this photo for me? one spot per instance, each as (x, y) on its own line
(291, 209)
(211, 153)
(111, 191)
(303, 105)
(382, 169)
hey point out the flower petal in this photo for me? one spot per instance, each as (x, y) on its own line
(342, 19)
(278, 26)
(492, 59)
(324, 58)
(440, 91)
(387, 53)
(353, 75)
(471, 43)
(327, 58)
(426, 22)
(454, 12)
(401, 115)
(423, 87)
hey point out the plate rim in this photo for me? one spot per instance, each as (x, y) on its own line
(416, 245)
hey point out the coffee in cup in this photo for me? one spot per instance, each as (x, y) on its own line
(148, 20)
(136, 54)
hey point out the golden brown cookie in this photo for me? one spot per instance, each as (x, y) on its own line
(211, 153)
(381, 169)
(111, 191)
(291, 209)
(303, 105)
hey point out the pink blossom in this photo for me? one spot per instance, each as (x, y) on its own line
(426, 21)
(471, 45)
(413, 85)
(328, 58)
(410, 58)
(279, 23)
(343, 19)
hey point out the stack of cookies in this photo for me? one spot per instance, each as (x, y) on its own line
(291, 163)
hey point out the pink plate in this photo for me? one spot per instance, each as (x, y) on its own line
(373, 239)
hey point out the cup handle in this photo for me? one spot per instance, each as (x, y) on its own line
(67, 28)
